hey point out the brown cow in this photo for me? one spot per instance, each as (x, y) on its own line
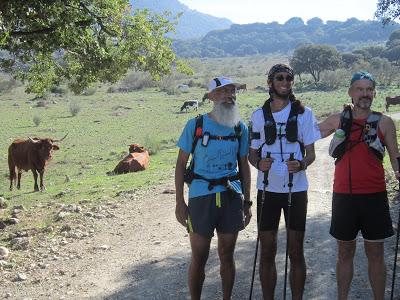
(392, 101)
(31, 154)
(137, 160)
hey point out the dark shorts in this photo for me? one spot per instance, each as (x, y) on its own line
(274, 203)
(221, 211)
(366, 212)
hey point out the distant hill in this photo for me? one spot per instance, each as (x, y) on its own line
(259, 38)
(192, 24)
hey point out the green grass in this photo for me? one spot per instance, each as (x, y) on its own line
(100, 134)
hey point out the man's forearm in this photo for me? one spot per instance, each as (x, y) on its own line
(246, 178)
(179, 183)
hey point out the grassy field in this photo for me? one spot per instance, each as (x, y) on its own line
(99, 135)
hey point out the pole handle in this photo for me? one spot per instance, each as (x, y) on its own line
(266, 172)
(290, 184)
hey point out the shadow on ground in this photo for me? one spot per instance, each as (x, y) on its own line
(167, 278)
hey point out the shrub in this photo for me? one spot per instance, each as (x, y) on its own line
(331, 80)
(152, 144)
(89, 91)
(58, 90)
(7, 84)
(37, 120)
(136, 81)
(74, 108)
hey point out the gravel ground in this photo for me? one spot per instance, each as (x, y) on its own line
(139, 251)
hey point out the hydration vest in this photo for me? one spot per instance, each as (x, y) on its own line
(189, 174)
(291, 130)
(370, 135)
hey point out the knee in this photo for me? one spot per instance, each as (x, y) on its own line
(375, 255)
(268, 254)
(296, 255)
(199, 260)
(345, 255)
(225, 255)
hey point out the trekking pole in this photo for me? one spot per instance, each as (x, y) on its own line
(258, 226)
(397, 244)
(290, 184)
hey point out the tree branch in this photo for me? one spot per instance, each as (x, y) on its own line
(46, 30)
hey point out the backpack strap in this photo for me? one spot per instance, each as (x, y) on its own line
(198, 131)
(269, 123)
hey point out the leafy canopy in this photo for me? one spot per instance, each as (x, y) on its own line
(82, 42)
(313, 59)
(388, 10)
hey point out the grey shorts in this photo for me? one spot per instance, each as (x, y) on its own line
(368, 213)
(221, 211)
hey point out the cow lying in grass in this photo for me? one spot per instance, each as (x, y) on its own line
(392, 101)
(137, 160)
(190, 104)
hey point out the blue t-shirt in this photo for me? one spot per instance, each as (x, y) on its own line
(218, 159)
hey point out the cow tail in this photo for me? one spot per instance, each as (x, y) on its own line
(12, 167)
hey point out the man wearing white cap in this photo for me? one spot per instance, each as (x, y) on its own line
(219, 183)
(359, 200)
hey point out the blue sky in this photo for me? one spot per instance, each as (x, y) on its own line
(265, 11)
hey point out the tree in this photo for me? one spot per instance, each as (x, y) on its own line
(394, 39)
(385, 72)
(393, 47)
(349, 59)
(81, 42)
(388, 10)
(313, 59)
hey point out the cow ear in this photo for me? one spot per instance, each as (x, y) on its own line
(55, 147)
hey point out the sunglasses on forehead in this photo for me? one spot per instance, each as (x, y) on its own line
(281, 78)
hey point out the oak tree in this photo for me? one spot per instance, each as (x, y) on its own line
(47, 42)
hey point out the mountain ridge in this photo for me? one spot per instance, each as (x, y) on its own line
(191, 25)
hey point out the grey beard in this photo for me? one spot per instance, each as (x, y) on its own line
(226, 115)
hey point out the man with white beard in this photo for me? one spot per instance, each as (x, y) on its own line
(219, 184)
(282, 143)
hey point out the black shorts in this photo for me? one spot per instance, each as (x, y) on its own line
(366, 212)
(274, 203)
(221, 211)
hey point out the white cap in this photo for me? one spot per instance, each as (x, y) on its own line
(221, 81)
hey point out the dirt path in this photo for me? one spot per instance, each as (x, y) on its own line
(143, 253)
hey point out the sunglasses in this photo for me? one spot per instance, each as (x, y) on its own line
(281, 78)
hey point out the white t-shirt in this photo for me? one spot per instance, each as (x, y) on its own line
(307, 132)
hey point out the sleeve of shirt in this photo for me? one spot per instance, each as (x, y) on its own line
(256, 128)
(311, 131)
(186, 139)
(244, 140)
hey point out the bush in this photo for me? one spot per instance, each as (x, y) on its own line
(136, 81)
(58, 90)
(151, 144)
(37, 120)
(331, 80)
(74, 108)
(7, 84)
(89, 91)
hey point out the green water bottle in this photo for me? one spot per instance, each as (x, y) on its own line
(337, 139)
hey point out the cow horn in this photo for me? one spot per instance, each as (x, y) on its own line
(32, 140)
(61, 139)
